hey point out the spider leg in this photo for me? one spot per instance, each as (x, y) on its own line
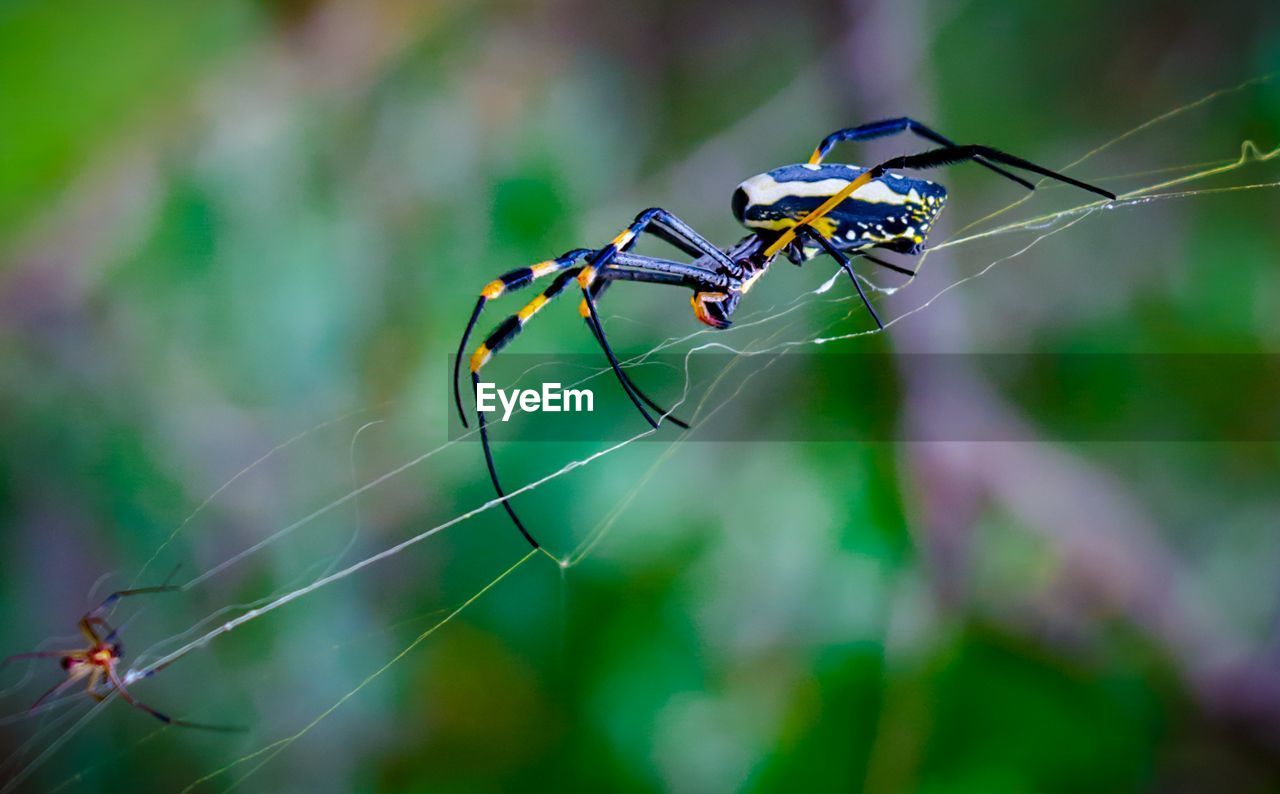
(852, 250)
(16, 657)
(663, 225)
(86, 627)
(839, 256)
(666, 226)
(593, 322)
(95, 676)
(493, 470)
(119, 686)
(887, 265)
(93, 620)
(507, 282)
(630, 267)
(656, 221)
(624, 267)
(507, 330)
(94, 615)
(72, 678)
(57, 689)
(597, 289)
(956, 154)
(880, 129)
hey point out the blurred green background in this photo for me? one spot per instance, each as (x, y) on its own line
(227, 224)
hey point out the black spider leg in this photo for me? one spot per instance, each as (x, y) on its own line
(593, 322)
(626, 267)
(665, 226)
(656, 221)
(493, 470)
(956, 154)
(597, 289)
(508, 282)
(838, 255)
(676, 232)
(850, 249)
(885, 264)
(94, 617)
(886, 127)
(507, 330)
(118, 684)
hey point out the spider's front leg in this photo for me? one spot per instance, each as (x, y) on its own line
(611, 263)
(510, 281)
(508, 330)
(665, 226)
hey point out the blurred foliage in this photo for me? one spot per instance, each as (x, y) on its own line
(227, 224)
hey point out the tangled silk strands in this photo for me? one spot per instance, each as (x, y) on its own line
(271, 750)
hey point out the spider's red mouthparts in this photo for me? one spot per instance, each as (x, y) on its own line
(714, 308)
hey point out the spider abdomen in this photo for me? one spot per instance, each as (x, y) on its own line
(893, 211)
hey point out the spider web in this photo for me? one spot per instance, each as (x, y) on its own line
(753, 345)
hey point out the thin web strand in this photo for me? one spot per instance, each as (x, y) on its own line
(276, 747)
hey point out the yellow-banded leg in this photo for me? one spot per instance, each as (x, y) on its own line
(507, 282)
(511, 327)
(507, 330)
(592, 278)
(664, 226)
(668, 227)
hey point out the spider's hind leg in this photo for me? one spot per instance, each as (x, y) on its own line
(886, 127)
(885, 264)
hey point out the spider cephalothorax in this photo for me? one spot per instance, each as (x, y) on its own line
(799, 211)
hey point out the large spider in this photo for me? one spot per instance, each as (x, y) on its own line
(799, 210)
(97, 663)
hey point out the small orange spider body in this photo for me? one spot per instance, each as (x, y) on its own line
(97, 663)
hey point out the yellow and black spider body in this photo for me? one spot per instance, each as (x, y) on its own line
(798, 211)
(893, 212)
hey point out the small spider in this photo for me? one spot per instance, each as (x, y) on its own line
(800, 211)
(98, 662)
